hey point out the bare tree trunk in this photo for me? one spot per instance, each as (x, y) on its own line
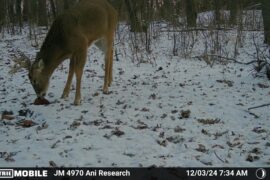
(19, 13)
(26, 10)
(2, 13)
(217, 4)
(266, 20)
(52, 4)
(42, 13)
(132, 12)
(11, 14)
(234, 11)
(68, 3)
(191, 13)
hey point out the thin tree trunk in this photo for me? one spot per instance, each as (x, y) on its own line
(26, 10)
(217, 5)
(42, 13)
(266, 20)
(2, 13)
(19, 13)
(234, 9)
(191, 13)
(52, 4)
(132, 12)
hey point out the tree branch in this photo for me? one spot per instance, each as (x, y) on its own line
(226, 58)
(256, 107)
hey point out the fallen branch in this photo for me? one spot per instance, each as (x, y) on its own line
(206, 29)
(256, 107)
(219, 157)
(253, 114)
(13, 99)
(226, 58)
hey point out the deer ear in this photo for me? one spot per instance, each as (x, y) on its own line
(40, 64)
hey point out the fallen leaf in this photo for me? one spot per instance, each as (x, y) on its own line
(185, 114)
(26, 123)
(209, 121)
(117, 132)
(8, 117)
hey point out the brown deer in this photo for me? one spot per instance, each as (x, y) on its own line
(69, 37)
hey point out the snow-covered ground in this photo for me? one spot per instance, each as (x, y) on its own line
(174, 112)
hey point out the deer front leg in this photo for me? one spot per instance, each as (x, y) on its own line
(69, 80)
(108, 64)
(106, 82)
(79, 65)
(110, 68)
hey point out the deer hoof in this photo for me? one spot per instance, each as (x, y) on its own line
(77, 102)
(64, 96)
(105, 90)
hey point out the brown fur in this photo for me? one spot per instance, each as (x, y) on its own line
(69, 37)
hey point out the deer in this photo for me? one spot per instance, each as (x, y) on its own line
(69, 36)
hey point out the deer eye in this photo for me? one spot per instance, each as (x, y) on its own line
(33, 82)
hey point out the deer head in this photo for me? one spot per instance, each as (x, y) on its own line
(37, 77)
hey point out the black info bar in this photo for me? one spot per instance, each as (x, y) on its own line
(137, 173)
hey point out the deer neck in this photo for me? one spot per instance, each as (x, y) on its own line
(52, 59)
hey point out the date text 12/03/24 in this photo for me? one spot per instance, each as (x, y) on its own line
(217, 173)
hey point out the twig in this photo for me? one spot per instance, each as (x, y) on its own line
(8, 100)
(253, 114)
(253, 6)
(219, 157)
(226, 58)
(207, 29)
(255, 107)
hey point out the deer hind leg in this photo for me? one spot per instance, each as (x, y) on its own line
(70, 77)
(80, 59)
(108, 63)
(110, 68)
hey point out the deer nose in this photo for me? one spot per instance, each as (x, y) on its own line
(41, 94)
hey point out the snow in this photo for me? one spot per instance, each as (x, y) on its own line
(140, 123)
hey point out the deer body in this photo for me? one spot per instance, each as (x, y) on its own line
(69, 37)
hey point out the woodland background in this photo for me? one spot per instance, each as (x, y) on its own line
(140, 13)
(144, 15)
(190, 88)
